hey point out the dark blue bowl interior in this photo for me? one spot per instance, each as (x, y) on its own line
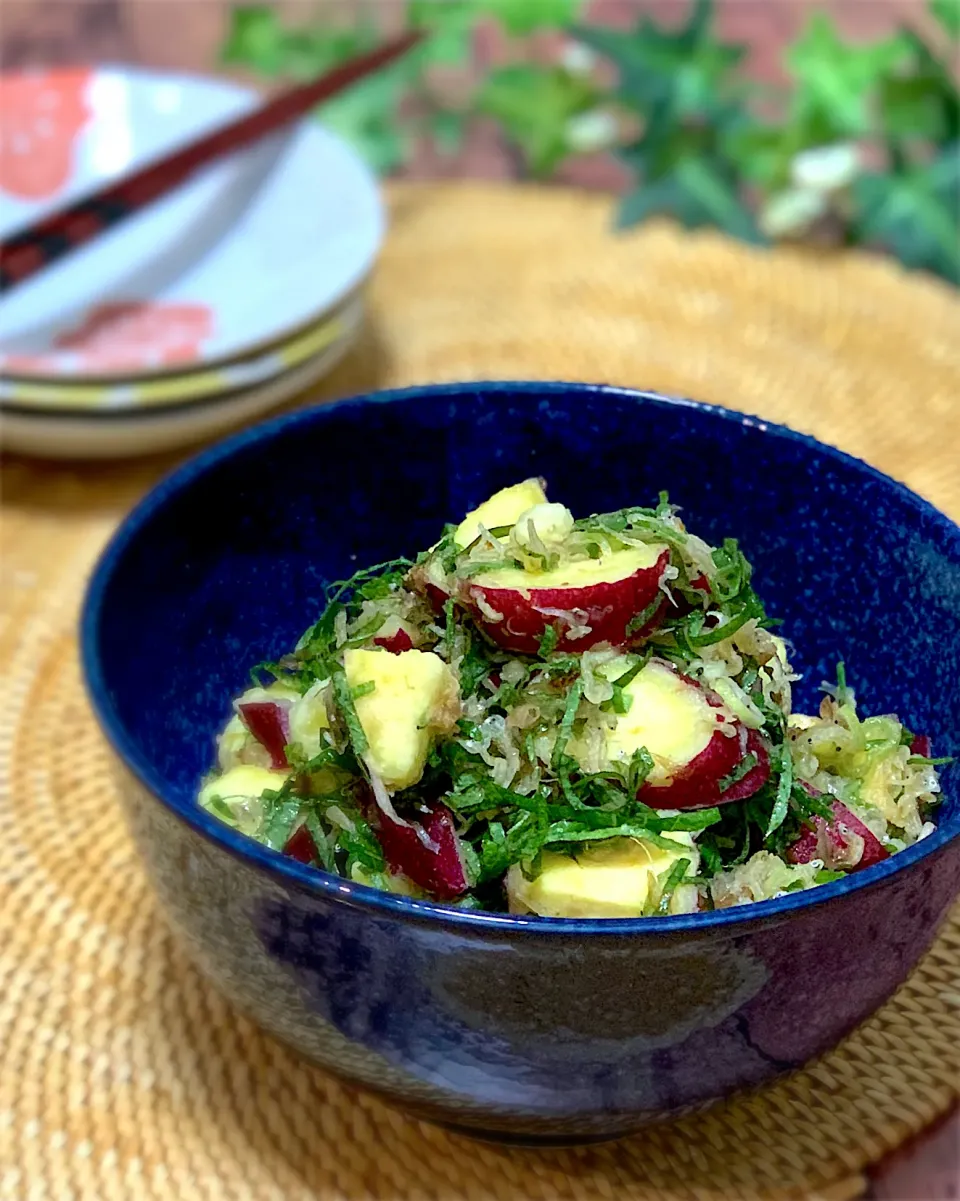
(226, 564)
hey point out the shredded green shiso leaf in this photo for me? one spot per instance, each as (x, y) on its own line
(521, 770)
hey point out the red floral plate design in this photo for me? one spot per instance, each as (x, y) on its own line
(43, 115)
(125, 336)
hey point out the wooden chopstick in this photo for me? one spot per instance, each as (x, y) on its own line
(24, 254)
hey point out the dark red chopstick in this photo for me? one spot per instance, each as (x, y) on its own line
(24, 254)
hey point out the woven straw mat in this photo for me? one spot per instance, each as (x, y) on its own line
(122, 1073)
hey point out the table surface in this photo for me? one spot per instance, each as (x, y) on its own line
(809, 370)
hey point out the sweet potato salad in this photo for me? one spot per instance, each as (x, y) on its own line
(572, 717)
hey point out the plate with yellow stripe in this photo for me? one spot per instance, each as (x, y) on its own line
(96, 431)
(185, 388)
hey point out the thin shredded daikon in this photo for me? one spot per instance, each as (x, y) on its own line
(574, 619)
(738, 702)
(339, 818)
(381, 796)
(488, 611)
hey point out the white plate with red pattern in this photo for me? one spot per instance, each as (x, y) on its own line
(111, 433)
(252, 250)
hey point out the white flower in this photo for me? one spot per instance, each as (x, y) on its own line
(791, 213)
(578, 59)
(594, 130)
(826, 168)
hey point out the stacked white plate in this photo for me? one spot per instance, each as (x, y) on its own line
(222, 300)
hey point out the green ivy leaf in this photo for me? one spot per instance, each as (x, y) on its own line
(696, 192)
(912, 211)
(451, 23)
(947, 12)
(666, 141)
(836, 79)
(917, 107)
(922, 102)
(310, 52)
(763, 154)
(687, 69)
(657, 199)
(366, 115)
(447, 130)
(685, 175)
(522, 17)
(450, 26)
(255, 39)
(535, 106)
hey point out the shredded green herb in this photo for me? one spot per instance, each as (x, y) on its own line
(348, 711)
(672, 882)
(523, 770)
(784, 789)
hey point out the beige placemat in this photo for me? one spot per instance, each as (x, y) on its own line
(122, 1074)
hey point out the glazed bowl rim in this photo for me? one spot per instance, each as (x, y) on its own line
(314, 880)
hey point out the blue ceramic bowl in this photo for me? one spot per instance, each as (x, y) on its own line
(516, 1027)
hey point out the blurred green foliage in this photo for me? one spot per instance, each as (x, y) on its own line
(382, 115)
(862, 147)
